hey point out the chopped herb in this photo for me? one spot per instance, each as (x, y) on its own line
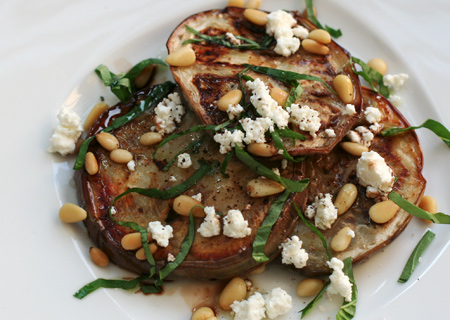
(280, 146)
(226, 161)
(348, 309)
(105, 283)
(436, 127)
(193, 145)
(288, 133)
(264, 230)
(310, 12)
(371, 76)
(151, 289)
(306, 310)
(294, 94)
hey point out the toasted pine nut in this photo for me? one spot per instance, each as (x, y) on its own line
(256, 16)
(182, 57)
(428, 203)
(183, 205)
(98, 257)
(262, 187)
(345, 198)
(91, 163)
(143, 77)
(71, 213)
(131, 241)
(378, 64)
(150, 138)
(344, 88)
(253, 4)
(203, 313)
(341, 240)
(231, 97)
(383, 211)
(259, 270)
(107, 141)
(262, 149)
(212, 318)
(313, 46)
(279, 95)
(309, 287)
(140, 254)
(121, 156)
(320, 35)
(236, 3)
(235, 290)
(354, 148)
(96, 111)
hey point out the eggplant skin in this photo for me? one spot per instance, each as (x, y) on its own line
(330, 172)
(218, 257)
(215, 73)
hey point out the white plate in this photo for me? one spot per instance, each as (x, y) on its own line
(49, 50)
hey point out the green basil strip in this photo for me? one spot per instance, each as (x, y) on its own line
(226, 161)
(291, 186)
(288, 133)
(414, 210)
(348, 309)
(313, 229)
(122, 85)
(306, 310)
(310, 11)
(294, 94)
(154, 96)
(436, 127)
(371, 76)
(106, 283)
(205, 169)
(415, 256)
(151, 289)
(184, 249)
(264, 230)
(280, 145)
(193, 145)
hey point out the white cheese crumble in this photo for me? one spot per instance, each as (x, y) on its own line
(361, 135)
(300, 32)
(372, 171)
(228, 139)
(66, 133)
(349, 109)
(210, 226)
(161, 234)
(184, 161)
(278, 302)
(168, 113)
(197, 197)
(395, 81)
(396, 100)
(235, 226)
(172, 179)
(276, 171)
(340, 283)
(170, 257)
(375, 128)
(251, 309)
(323, 211)
(372, 114)
(279, 25)
(265, 105)
(293, 253)
(330, 133)
(351, 233)
(113, 210)
(306, 118)
(255, 129)
(131, 165)
(232, 38)
(234, 111)
(284, 164)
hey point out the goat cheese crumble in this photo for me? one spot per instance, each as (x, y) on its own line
(184, 161)
(234, 111)
(66, 133)
(161, 234)
(228, 139)
(197, 197)
(255, 129)
(168, 113)
(293, 253)
(330, 133)
(361, 135)
(280, 25)
(323, 211)
(395, 81)
(372, 171)
(251, 309)
(210, 226)
(277, 303)
(131, 165)
(372, 114)
(349, 109)
(340, 283)
(170, 257)
(235, 226)
(306, 118)
(232, 38)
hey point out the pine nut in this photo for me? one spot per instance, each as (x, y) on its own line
(309, 287)
(236, 3)
(320, 35)
(231, 97)
(131, 241)
(235, 290)
(256, 16)
(341, 240)
(383, 211)
(344, 88)
(91, 163)
(140, 254)
(262, 149)
(96, 111)
(121, 156)
(428, 203)
(98, 257)
(259, 270)
(150, 138)
(182, 57)
(378, 64)
(203, 313)
(107, 141)
(263, 187)
(142, 79)
(313, 46)
(71, 213)
(354, 148)
(212, 318)
(183, 205)
(253, 4)
(345, 198)
(279, 95)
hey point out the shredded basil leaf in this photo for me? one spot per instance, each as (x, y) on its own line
(288, 133)
(415, 256)
(81, 157)
(280, 146)
(436, 127)
(313, 229)
(151, 289)
(412, 209)
(290, 185)
(294, 94)
(371, 76)
(264, 230)
(306, 310)
(226, 161)
(122, 85)
(193, 145)
(310, 11)
(106, 283)
(348, 309)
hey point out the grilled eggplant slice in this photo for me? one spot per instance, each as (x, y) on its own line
(215, 73)
(209, 258)
(330, 172)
